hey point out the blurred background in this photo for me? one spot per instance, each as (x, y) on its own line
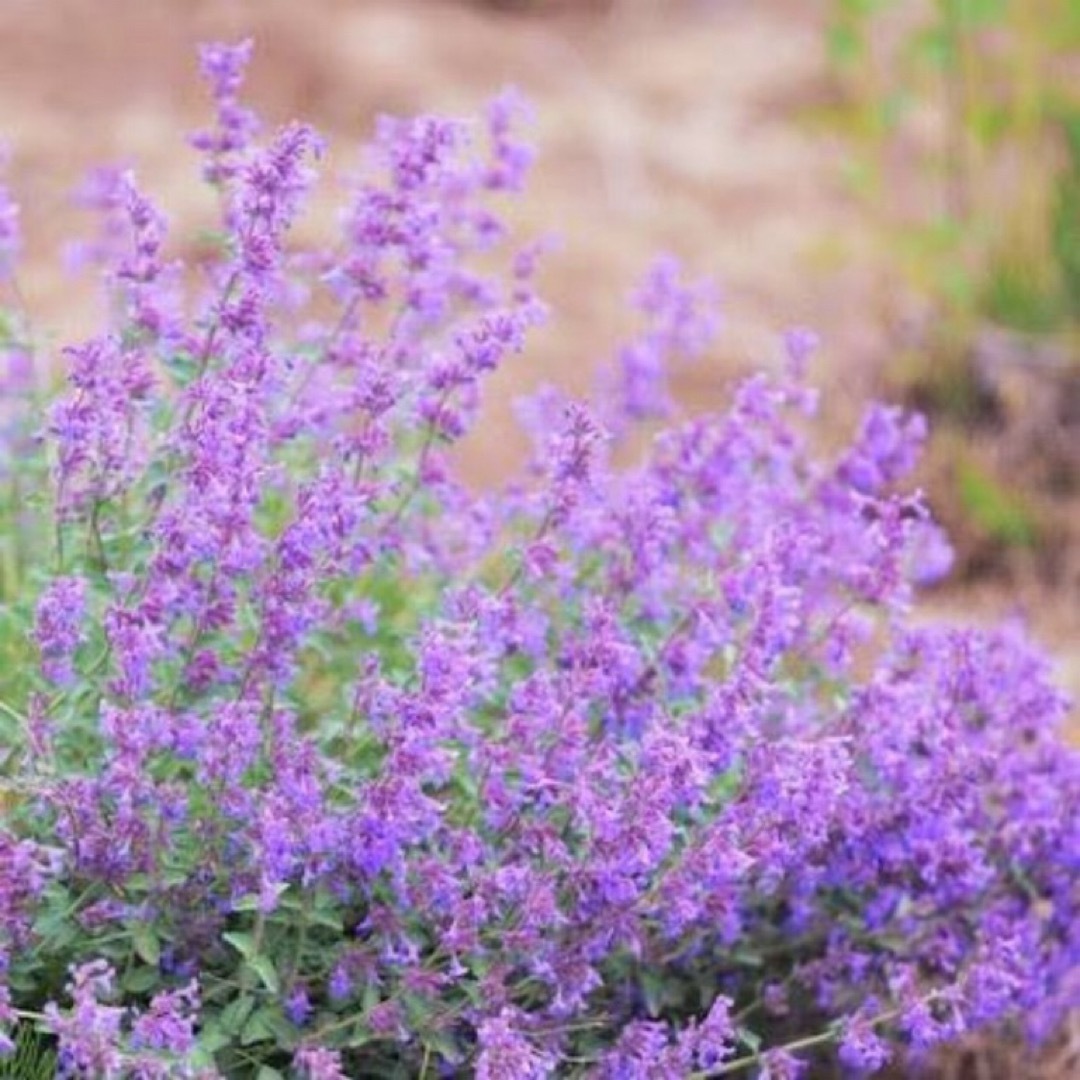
(901, 175)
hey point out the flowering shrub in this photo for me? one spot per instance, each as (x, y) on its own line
(319, 764)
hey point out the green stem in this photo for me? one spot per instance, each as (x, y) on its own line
(822, 1038)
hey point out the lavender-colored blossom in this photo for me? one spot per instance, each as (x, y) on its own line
(643, 1052)
(715, 1037)
(571, 460)
(800, 343)
(779, 1064)
(26, 868)
(168, 1022)
(128, 252)
(887, 448)
(340, 985)
(681, 324)
(98, 426)
(512, 158)
(861, 1049)
(298, 1005)
(223, 67)
(90, 1034)
(10, 231)
(318, 1063)
(506, 1051)
(59, 629)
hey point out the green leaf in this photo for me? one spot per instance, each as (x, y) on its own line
(263, 966)
(747, 958)
(252, 902)
(352, 1038)
(213, 1037)
(332, 920)
(25, 981)
(183, 367)
(146, 943)
(236, 1013)
(257, 1029)
(652, 989)
(139, 980)
(751, 1040)
(266, 1073)
(285, 1031)
(55, 931)
(445, 1046)
(243, 943)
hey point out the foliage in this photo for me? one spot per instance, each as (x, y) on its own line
(29, 1058)
(996, 234)
(999, 512)
(324, 765)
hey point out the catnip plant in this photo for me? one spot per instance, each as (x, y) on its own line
(319, 764)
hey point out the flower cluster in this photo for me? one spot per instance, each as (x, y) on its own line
(334, 766)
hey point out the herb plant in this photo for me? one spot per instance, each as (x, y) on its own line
(317, 763)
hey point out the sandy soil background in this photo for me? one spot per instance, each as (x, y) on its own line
(662, 124)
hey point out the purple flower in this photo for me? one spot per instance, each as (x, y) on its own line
(98, 426)
(512, 158)
(715, 1039)
(90, 1034)
(682, 324)
(644, 1051)
(506, 1051)
(779, 1064)
(571, 459)
(888, 446)
(298, 1006)
(26, 868)
(318, 1063)
(58, 628)
(223, 68)
(10, 232)
(861, 1048)
(168, 1023)
(800, 343)
(340, 986)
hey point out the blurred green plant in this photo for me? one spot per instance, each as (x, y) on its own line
(32, 1059)
(963, 122)
(983, 96)
(1066, 230)
(998, 511)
